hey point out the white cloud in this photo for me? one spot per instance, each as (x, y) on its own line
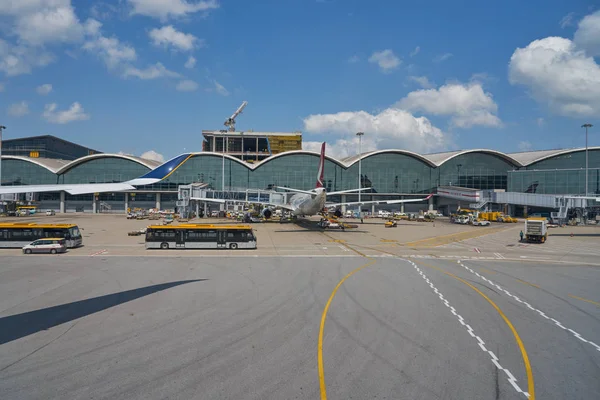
(342, 148)
(151, 72)
(164, 9)
(190, 63)
(524, 146)
(153, 155)
(540, 121)
(442, 57)
(18, 109)
(422, 80)
(558, 74)
(587, 36)
(74, 113)
(44, 89)
(220, 89)
(187, 86)
(567, 20)
(21, 59)
(415, 51)
(385, 59)
(50, 24)
(169, 36)
(354, 59)
(391, 128)
(468, 104)
(111, 51)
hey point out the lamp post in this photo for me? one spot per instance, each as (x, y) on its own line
(223, 167)
(360, 135)
(1, 128)
(586, 126)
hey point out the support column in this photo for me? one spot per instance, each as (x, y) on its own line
(372, 207)
(126, 202)
(197, 209)
(94, 205)
(343, 205)
(401, 204)
(62, 202)
(158, 201)
(205, 210)
(431, 203)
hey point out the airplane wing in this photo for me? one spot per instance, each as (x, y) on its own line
(347, 191)
(83, 188)
(156, 175)
(362, 203)
(264, 203)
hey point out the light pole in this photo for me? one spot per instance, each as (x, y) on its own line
(360, 135)
(223, 167)
(2, 127)
(586, 126)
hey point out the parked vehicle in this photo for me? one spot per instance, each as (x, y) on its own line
(50, 212)
(536, 230)
(46, 245)
(480, 222)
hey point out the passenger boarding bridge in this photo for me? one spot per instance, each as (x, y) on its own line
(478, 199)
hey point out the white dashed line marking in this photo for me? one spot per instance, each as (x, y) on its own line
(577, 335)
(510, 377)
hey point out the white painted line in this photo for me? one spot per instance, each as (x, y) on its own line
(577, 335)
(98, 252)
(476, 250)
(510, 377)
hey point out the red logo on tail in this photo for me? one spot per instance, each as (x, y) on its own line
(321, 167)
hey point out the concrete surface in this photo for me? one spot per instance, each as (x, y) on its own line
(230, 328)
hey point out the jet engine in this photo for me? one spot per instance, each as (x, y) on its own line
(267, 213)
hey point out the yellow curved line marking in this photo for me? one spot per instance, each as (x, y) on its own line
(530, 385)
(322, 329)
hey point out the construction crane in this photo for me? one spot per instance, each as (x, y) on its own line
(230, 122)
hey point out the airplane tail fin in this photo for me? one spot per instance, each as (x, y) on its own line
(161, 172)
(321, 169)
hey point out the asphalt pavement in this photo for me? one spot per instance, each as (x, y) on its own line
(256, 328)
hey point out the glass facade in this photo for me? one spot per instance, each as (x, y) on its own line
(554, 181)
(385, 172)
(19, 172)
(103, 170)
(562, 174)
(475, 170)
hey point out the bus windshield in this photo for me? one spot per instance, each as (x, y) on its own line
(74, 232)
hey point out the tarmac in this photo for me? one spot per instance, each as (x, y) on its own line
(413, 312)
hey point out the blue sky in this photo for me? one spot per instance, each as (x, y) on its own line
(146, 75)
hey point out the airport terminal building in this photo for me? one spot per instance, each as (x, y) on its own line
(392, 174)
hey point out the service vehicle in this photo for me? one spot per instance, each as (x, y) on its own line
(200, 236)
(17, 235)
(46, 245)
(536, 230)
(480, 222)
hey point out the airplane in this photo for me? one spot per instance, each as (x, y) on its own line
(156, 175)
(312, 202)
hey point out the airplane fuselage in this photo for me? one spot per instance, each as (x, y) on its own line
(306, 204)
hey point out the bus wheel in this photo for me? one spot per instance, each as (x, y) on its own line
(27, 251)
(164, 245)
(53, 251)
(233, 246)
